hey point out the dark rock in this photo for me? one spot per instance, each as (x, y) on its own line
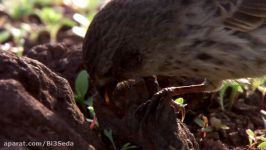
(38, 105)
(64, 59)
(209, 144)
(42, 38)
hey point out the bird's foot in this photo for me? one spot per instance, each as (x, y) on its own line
(151, 109)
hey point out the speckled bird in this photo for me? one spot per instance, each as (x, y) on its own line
(211, 39)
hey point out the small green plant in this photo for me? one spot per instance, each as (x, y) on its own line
(17, 34)
(235, 89)
(4, 35)
(45, 2)
(81, 88)
(180, 101)
(209, 125)
(108, 133)
(54, 20)
(128, 146)
(93, 5)
(202, 121)
(258, 83)
(256, 141)
(18, 9)
(216, 123)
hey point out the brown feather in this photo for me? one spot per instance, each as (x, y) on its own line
(250, 15)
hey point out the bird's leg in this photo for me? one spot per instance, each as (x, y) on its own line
(176, 91)
(164, 96)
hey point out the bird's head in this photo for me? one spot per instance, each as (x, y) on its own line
(108, 53)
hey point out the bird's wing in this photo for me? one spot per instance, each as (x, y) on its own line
(249, 15)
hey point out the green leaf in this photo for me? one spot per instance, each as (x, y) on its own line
(258, 83)
(43, 2)
(91, 15)
(4, 35)
(91, 110)
(236, 87)
(82, 84)
(125, 146)
(179, 101)
(251, 136)
(128, 146)
(93, 4)
(199, 122)
(261, 138)
(262, 145)
(222, 126)
(21, 8)
(109, 135)
(221, 95)
(50, 16)
(250, 133)
(69, 23)
(207, 129)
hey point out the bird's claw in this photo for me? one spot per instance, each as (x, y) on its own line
(163, 98)
(151, 110)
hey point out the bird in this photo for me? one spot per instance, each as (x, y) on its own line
(210, 39)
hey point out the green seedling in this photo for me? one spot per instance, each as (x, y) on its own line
(235, 89)
(108, 133)
(256, 141)
(4, 35)
(18, 9)
(180, 101)
(81, 86)
(17, 34)
(54, 20)
(258, 83)
(42, 3)
(203, 122)
(93, 4)
(128, 146)
(218, 124)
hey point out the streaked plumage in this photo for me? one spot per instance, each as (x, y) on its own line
(212, 39)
